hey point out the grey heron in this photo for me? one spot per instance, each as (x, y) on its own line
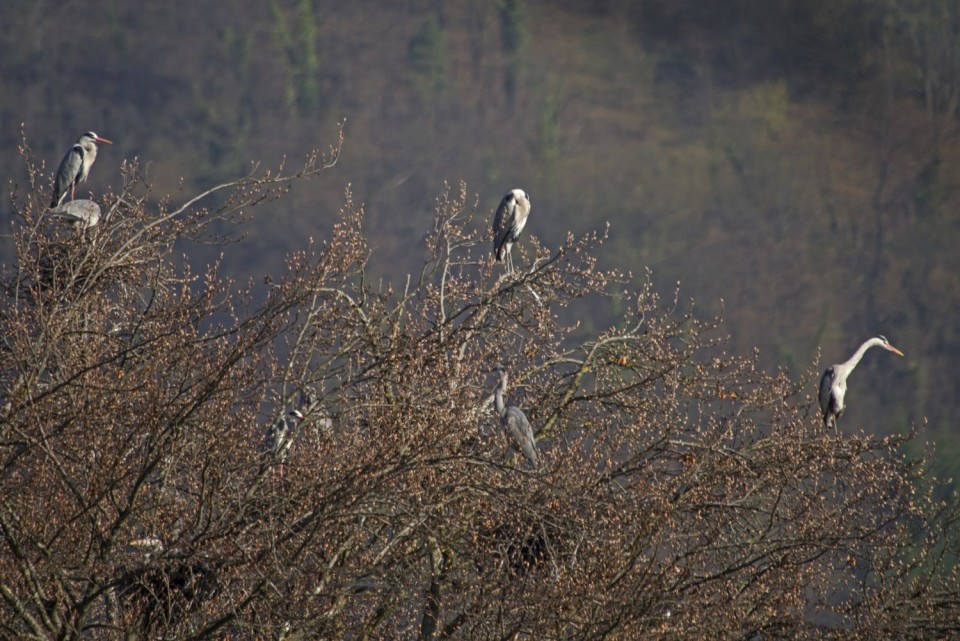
(279, 436)
(80, 214)
(513, 421)
(75, 166)
(833, 385)
(508, 222)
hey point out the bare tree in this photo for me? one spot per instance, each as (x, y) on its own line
(682, 493)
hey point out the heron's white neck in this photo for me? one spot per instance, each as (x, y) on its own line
(498, 402)
(847, 367)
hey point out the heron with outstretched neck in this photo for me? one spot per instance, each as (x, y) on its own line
(75, 166)
(513, 421)
(833, 385)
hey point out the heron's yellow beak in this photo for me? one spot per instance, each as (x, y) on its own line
(103, 140)
(895, 350)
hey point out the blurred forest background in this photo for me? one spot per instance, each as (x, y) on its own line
(798, 159)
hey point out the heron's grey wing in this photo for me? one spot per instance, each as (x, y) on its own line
(826, 389)
(522, 434)
(503, 221)
(67, 174)
(270, 438)
(279, 438)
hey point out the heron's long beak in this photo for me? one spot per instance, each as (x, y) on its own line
(895, 350)
(103, 140)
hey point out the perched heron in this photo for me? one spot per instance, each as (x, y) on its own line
(80, 214)
(513, 421)
(279, 437)
(508, 223)
(833, 385)
(75, 166)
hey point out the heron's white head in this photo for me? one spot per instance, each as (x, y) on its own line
(499, 370)
(92, 137)
(297, 414)
(887, 346)
(519, 194)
